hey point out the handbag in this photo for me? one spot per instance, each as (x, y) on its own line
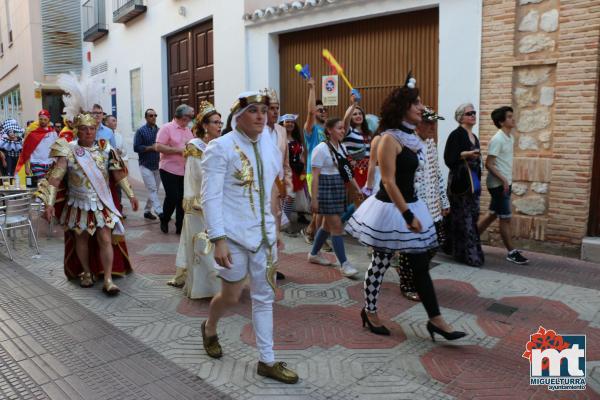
(342, 163)
(464, 180)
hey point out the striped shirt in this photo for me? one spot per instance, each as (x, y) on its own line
(356, 143)
(145, 137)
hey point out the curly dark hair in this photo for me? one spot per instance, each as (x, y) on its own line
(198, 129)
(395, 107)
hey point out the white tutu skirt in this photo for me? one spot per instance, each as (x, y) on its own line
(381, 225)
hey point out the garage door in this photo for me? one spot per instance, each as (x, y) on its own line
(375, 53)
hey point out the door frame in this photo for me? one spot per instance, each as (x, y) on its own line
(594, 214)
(188, 30)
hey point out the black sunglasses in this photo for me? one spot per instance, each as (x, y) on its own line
(471, 113)
(152, 115)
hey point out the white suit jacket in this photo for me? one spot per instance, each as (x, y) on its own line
(231, 190)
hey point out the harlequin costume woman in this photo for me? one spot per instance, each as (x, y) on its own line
(395, 220)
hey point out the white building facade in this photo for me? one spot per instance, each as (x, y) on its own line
(136, 59)
(132, 58)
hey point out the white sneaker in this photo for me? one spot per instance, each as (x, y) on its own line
(348, 270)
(318, 259)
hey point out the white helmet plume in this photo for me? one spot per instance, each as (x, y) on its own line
(81, 93)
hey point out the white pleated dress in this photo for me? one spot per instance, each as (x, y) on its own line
(378, 223)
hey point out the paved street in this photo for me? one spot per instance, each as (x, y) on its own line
(59, 341)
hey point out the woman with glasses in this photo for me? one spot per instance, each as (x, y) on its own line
(195, 261)
(170, 143)
(463, 157)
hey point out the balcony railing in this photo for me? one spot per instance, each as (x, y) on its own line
(126, 10)
(94, 20)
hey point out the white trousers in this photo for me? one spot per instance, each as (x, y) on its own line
(255, 265)
(152, 182)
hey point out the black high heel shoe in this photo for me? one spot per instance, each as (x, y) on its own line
(378, 330)
(431, 328)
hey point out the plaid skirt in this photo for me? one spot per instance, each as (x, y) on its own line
(332, 195)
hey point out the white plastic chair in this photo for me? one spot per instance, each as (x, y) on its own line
(15, 214)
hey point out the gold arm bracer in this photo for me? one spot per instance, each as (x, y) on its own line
(46, 192)
(56, 172)
(126, 186)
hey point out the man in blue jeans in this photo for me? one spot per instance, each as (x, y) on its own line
(499, 164)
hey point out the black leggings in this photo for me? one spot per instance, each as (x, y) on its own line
(173, 185)
(419, 265)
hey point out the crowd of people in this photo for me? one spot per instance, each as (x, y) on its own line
(234, 191)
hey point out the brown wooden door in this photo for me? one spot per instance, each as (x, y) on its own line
(376, 55)
(190, 72)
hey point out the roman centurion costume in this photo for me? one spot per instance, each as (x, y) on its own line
(85, 198)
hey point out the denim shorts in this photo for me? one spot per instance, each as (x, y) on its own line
(500, 204)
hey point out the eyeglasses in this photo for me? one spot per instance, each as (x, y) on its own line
(471, 113)
(219, 123)
(97, 112)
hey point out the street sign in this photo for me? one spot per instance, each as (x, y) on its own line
(330, 90)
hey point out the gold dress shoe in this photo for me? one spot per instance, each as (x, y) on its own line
(110, 289)
(278, 371)
(86, 280)
(178, 280)
(411, 296)
(211, 343)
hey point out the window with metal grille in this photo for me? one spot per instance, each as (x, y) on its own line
(10, 105)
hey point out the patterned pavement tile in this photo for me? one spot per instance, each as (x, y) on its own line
(296, 269)
(317, 327)
(324, 326)
(310, 294)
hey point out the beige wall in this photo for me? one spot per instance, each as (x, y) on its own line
(22, 62)
(542, 57)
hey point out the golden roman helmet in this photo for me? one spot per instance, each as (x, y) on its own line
(83, 119)
(247, 98)
(205, 108)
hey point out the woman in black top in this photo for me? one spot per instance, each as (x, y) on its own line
(462, 148)
(395, 220)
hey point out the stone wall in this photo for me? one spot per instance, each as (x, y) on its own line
(542, 57)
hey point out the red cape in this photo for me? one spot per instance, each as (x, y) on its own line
(31, 141)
